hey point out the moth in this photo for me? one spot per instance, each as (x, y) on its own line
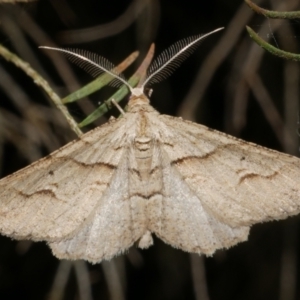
(144, 173)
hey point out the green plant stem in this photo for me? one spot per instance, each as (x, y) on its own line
(123, 91)
(100, 81)
(273, 14)
(273, 50)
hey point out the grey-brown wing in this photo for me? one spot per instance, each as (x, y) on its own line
(116, 223)
(118, 220)
(239, 183)
(181, 219)
(50, 198)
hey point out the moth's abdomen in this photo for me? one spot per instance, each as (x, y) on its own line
(143, 143)
(143, 154)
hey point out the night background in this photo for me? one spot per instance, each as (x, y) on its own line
(229, 84)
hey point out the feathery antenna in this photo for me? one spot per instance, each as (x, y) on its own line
(162, 67)
(93, 63)
(170, 59)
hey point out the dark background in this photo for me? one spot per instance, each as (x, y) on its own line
(229, 84)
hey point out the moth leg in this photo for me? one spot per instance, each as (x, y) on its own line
(118, 107)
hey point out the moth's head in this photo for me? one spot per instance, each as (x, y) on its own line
(137, 91)
(139, 95)
(164, 65)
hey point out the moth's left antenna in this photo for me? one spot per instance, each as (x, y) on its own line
(93, 63)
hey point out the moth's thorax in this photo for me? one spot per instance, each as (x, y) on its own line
(143, 146)
(145, 175)
(139, 103)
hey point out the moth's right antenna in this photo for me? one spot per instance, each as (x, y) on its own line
(171, 58)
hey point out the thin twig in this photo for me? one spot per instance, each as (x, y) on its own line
(31, 112)
(213, 60)
(83, 280)
(40, 81)
(199, 277)
(60, 280)
(113, 280)
(15, 1)
(288, 284)
(271, 113)
(90, 34)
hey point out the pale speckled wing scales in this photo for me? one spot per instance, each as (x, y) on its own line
(117, 222)
(195, 188)
(182, 221)
(49, 199)
(238, 183)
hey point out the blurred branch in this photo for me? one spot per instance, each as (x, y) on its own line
(105, 30)
(246, 68)
(56, 99)
(291, 105)
(213, 60)
(199, 276)
(246, 64)
(10, 126)
(40, 81)
(33, 117)
(83, 280)
(289, 260)
(113, 280)
(15, 1)
(60, 280)
(27, 26)
(270, 111)
(40, 37)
